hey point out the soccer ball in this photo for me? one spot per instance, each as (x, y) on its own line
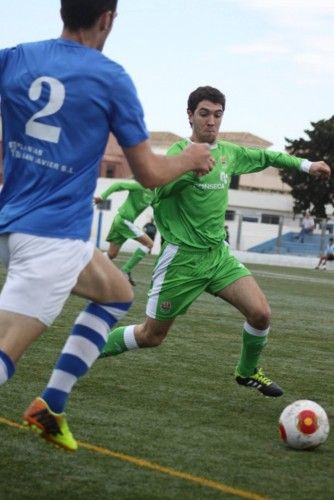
(303, 425)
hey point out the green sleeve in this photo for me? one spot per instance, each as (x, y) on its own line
(126, 185)
(175, 186)
(180, 182)
(250, 160)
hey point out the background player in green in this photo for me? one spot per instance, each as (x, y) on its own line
(123, 227)
(190, 215)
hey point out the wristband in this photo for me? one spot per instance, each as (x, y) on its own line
(305, 166)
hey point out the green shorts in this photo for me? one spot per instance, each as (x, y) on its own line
(122, 230)
(181, 276)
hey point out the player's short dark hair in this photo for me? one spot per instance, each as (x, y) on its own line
(205, 93)
(82, 14)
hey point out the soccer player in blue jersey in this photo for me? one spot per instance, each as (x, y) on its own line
(60, 99)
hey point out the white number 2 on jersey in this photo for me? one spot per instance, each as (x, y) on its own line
(40, 130)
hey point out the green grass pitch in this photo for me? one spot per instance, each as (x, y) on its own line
(171, 423)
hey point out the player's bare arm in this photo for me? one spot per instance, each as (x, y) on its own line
(153, 170)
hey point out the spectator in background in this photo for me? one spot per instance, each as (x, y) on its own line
(328, 255)
(307, 226)
(330, 226)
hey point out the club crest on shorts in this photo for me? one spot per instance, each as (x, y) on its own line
(166, 306)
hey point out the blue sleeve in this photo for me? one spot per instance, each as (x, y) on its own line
(3, 57)
(127, 117)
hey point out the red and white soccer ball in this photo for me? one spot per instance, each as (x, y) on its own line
(303, 425)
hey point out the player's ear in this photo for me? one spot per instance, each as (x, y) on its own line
(106, 20)
(190, 116)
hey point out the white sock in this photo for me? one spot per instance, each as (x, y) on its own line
(129, 337)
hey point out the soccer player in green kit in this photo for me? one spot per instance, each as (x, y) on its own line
(190, 215)
(123, 227)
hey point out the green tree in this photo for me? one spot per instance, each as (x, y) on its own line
(310, 193)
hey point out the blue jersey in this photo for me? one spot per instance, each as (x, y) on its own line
(59, 102)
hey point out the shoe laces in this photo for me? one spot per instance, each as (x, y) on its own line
(260, 377)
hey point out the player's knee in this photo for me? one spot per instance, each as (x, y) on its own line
(260, 316)
(147, 242)
(122, 293)
(127, 294)
(112, 251)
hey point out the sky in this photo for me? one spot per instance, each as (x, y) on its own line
(273, 59)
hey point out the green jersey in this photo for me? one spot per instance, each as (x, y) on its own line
(190, 211)
(137, 200)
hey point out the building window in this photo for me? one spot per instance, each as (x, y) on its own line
(229, 215)
(234, 184)
(110, 171)
(270, 219)
(104, 205)
(248, 218)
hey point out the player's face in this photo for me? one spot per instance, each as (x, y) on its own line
(205, 121)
